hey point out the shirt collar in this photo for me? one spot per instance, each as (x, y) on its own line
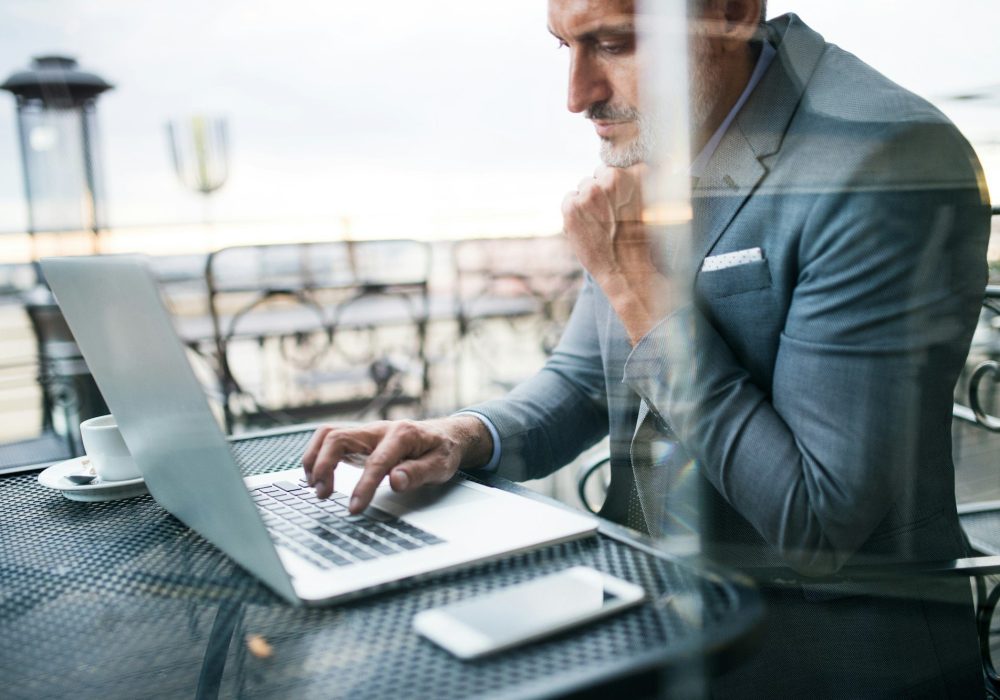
(767, 54)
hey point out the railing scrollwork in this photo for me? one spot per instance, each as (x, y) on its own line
(990, 368)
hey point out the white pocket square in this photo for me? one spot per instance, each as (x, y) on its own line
(740, 257)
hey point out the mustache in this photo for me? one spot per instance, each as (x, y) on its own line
(604, 111)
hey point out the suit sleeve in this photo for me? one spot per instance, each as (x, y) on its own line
(886, 297)
(549, 419)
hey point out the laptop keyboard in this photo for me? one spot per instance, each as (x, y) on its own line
(324, 532)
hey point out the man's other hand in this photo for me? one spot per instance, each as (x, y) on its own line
(603, 221)
(412, 453)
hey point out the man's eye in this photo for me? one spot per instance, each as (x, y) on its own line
(615, 48)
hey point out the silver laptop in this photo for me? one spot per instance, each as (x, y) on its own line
(306, 550)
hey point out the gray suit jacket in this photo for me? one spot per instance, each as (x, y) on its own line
(813, 388)
(808, 395)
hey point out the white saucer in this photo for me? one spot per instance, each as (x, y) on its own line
(55, 478)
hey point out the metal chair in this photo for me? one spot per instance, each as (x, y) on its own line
(19, 377)
(981, 519)
(524, 285)
(69, 393)
(322, 312)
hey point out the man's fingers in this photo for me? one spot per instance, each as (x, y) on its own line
(569, 204)
(402, 440)
(606, 176)
(330, 453)
(415, 453)
(590, 202)
(312, 449)
(411, 473)
(333, 448)
(586, 186)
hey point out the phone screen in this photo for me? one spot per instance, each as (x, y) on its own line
(530, 610)
(537, 605)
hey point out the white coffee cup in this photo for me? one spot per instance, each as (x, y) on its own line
(106, 449)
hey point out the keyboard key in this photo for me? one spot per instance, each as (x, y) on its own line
(382, 531)
(338, 556)
(348, 536)
(378, 515)
(332, 521)
(383, 548)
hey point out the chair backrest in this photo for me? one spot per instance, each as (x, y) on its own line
(980, 406)
(301, 299)
(508, 277)
(68, 389)
(543, 267)
(506, 289)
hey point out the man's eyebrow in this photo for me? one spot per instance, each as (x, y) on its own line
(601, 30)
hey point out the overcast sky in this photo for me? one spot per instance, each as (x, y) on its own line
(395, 111)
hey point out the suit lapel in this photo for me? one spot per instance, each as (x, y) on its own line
(642, 470)
(727, 183)
(667, 483)
(738, 164)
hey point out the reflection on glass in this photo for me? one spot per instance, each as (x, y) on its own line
(795, 412)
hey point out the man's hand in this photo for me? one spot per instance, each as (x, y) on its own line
(411, 453)
(603, 221)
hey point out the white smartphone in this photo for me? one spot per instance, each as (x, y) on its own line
(526, 611)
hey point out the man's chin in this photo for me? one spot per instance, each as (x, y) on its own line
(622, 155)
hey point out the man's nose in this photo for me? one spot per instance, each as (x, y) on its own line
(587, 85)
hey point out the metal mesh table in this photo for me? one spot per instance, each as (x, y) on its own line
(119, 599)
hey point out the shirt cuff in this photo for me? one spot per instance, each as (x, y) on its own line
(494, 462)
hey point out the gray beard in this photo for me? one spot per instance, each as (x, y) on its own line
(704, 86)
(638, 150)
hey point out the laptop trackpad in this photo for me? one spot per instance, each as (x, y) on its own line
(431, 495)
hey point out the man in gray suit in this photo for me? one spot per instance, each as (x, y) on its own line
(792, 405)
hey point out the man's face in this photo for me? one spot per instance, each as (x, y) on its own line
(604, 76)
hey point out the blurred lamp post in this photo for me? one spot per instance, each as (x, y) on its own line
(57, 125)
